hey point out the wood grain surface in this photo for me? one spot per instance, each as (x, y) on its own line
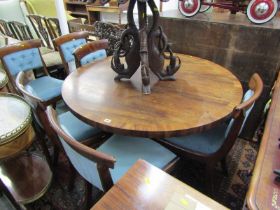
(264, 189)
(147, 187)
(203, 95)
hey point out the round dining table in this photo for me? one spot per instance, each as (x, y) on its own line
(203, 95)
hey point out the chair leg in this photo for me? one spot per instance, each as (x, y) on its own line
(72, 176)
(88, 193)
(224, 166)
(209, 180)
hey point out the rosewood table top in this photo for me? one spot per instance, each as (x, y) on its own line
(146, 187)
(203, 95)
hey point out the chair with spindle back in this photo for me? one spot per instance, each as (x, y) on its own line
(39, 24)
(53, 27)
(212, 146)
(66, 44)
(5, 29)
(90, 52)
(20, 30)
(108, 163)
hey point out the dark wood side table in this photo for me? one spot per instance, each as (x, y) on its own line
(203, 96)
(146, 187)
(24, 177)
(264, 189)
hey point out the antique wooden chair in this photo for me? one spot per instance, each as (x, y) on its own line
(108, 163)
(53, 27)
(213, 145)
(20, 30)
(40, 24)
(17, 60)
(90, 52)
(66, 45)
(5, 29)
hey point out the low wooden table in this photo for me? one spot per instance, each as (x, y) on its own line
(203, 96)
(146, 187)
(264, 189)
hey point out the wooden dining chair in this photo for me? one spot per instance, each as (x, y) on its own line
(66, 45)
(90, 52)
(39, 25)
(104, 166)
(5, 29)
(20, 30)
(212, 146)
(53, 27)
(17, 61)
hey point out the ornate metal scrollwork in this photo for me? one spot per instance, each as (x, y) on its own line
(145, 46)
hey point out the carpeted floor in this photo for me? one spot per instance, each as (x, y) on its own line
(230, 190)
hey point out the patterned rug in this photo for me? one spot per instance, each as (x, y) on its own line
(230, 190)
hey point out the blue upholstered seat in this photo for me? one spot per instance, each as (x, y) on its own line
(75, 127)
(45, 87)
(127, 150)
(208, 142)
(94, 56)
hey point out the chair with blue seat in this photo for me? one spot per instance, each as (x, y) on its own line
(213, 145)
(18, 61)
(67, 44)
(90, 52)
(104, 166)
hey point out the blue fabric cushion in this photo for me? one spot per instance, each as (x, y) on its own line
(206, 142)
(127, 150)
(45, 87)
(23, 60)
(75, 127)
(68, 48)
(97, 55)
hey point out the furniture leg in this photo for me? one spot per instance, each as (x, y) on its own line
(224, 166)
(9, 195)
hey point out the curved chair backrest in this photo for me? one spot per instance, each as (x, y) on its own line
(91, 164)
(20, 30)
(242, 111)
(90, 52)
(23, 56)
(66, 45)
(39, 25)
(5, 29)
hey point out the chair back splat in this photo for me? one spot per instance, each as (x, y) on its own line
(91, 164)
(90, 52)
(66, 45)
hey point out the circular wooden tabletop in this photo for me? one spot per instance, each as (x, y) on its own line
(203, 95)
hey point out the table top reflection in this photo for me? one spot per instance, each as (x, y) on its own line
(203, 95)
(147, 187)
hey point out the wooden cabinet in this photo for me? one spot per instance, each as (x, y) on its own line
(77, 8)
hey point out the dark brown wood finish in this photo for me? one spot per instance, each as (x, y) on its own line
(203, 95)
(88, 48)
(264, 189)
(66, 38)
(147, 187)
(53, 27)
(20, 30)
(40, 24)
(211, 159)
